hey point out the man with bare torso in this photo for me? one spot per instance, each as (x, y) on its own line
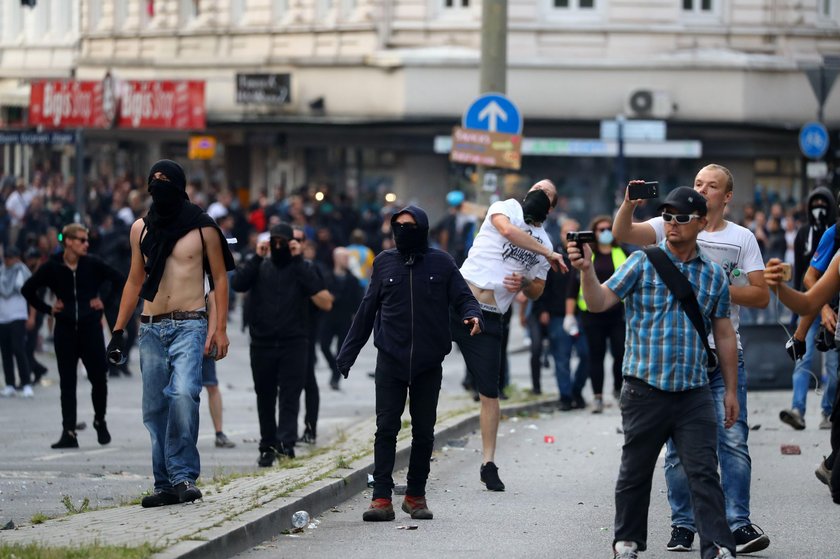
(511, 253)
(171, 250)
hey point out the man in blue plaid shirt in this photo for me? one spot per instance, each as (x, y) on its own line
(666, 392)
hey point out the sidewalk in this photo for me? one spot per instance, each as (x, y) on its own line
(244, 504)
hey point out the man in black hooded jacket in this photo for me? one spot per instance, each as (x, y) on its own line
(280, 288)
(407, 306)
(172, 249)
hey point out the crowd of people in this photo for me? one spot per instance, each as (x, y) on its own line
(183, 248)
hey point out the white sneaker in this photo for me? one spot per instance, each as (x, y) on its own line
(27, 391)
(8, 392)
(625, 550)
(724, 553)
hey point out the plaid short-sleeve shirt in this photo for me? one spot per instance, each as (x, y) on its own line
(662, 347)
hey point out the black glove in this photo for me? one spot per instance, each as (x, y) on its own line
(795, 348)
(116, 348)
(824, 340)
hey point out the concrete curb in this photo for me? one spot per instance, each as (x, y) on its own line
(261, 524)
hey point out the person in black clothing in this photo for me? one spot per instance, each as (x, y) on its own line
(311, 394)
(606, 327)
(34, 322)
(556, 309)
(348, 293)
(76, 279)
(279, 328)
(407, 304)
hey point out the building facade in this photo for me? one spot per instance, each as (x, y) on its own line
(367, 86)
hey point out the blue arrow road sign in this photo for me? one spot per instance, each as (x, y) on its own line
(813, 140)
(493, 112)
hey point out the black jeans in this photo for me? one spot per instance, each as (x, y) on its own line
(649, 417)
(279, 374)
(391, 393)
(332, 328)
(13, 348)
(598, 332)
(87, 343)
(538, 334)
(312, 397)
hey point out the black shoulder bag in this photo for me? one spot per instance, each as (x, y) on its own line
(679, 285)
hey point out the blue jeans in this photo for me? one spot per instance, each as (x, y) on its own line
(561, 345)
(171, 353)
(734, 457)
(802, 377)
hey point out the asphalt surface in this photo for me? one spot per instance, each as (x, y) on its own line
(559, 498)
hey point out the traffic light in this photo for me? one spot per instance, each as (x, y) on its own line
(30, 3)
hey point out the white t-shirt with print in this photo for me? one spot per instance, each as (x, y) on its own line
(731, 247)
(492, 256)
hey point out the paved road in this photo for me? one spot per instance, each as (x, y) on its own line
(34, 478)
(559, 501)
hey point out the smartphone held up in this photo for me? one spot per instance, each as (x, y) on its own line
(643, 190)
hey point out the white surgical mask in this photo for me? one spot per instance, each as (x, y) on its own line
(605, 237)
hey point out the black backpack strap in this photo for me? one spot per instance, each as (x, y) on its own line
(679, 285)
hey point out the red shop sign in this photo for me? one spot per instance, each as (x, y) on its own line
(126, 104)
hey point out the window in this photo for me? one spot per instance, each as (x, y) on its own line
(278, 9)
(574, 4)
(188, 10)
(449, 4)
(94, 14)
(828, 10)
(120, 13)
(698, 6)
(237, 10)
(571, 10)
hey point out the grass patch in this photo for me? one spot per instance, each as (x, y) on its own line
(95, 551)
(71, 508)
(39, 518)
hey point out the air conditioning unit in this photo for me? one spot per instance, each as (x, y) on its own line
(649, 103)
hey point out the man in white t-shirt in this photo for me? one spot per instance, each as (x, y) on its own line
(733, 247)
(511, 253)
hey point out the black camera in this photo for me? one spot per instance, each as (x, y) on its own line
(824, 340)
(581, 237)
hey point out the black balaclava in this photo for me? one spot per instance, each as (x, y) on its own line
(168, 196)
(281, 254)
(535, 207)
(411, 240)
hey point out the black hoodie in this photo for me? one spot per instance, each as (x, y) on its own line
(407, 307)
(808, 236)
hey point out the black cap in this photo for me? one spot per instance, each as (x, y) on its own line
(12, 252)
(282, 230)
(686, 200)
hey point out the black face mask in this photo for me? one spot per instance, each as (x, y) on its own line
(409, 238)
(281, 254)
(535, 207)
(166, 198)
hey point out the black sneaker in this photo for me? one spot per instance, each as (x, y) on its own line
(308, 436)
(159, 498)
(68, 440)
(681, 539)
(267, 458)
(102, 434)
(490, 477)
(286, 450)
(187, 492)
(748, 539)
(564, 404)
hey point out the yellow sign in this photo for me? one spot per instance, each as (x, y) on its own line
(202, 147)
(492, 149)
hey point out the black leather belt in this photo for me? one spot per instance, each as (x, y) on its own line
(176, 315)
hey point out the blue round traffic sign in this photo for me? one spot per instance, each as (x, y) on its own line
(813, 140)
(493, 112)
